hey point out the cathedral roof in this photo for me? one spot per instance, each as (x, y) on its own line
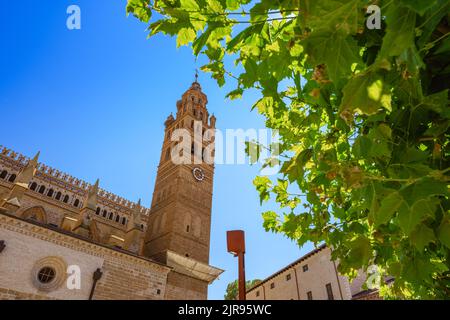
(20, 161)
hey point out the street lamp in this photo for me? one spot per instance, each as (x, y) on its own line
(236, 246)
(97, 275)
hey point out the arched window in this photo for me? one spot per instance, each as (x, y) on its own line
(187, 228)
(58, 195)
(124, 220)
(66, 198)
(50, 193)
(3, 174)
(195, 112)
(41, 190)
(201, 115)
(104, 213)
(192, 98)
(12, 178)
(110, 217)
(33, 186)
(35, 213)
(117, 218)
(192, 124)
(76, 203)
(97, 211)
(192, 148)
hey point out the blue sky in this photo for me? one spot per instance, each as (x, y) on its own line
(94, 101)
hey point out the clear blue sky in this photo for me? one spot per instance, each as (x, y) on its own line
(94, 101)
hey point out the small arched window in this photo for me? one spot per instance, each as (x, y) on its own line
(3, 174)
(117, 218)
(76, 203)
(12, 178)
(33, 186)
(104, 213)
(41, 190)
(97, 211)
(192, 124)
(201, 115)
(66, 198)
(58, 195)
(195, 112)
(188, 228)
(192, 98)
(110, 217)
(124, 220)
(50, 193)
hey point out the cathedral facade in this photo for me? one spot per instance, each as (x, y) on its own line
(63, 238)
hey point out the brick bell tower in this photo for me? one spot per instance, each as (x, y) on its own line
(178, 232)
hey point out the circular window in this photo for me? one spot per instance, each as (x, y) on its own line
(49, 273)
(46, 275)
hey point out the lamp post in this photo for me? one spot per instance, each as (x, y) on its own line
(236, 246)
(96, 276)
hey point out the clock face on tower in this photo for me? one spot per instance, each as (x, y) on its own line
(198, 173)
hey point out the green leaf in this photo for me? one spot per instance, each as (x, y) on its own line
(360, 252)
(189, 5)
(271, 222)
(233, 5)
(366, 94)
(388, 208)
(294, 168)
(235, 94)
(419, 6)
(263, 184)
(185, 35)
(444, 232)
(421, 237)
(336, 14)
(200, 42)
(410, 217)
(339, 61)
(253, 150)
(399, 32)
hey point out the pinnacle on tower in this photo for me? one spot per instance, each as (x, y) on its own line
(27, 173)
(91, 201)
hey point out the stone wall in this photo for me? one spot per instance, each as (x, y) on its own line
(125, 276)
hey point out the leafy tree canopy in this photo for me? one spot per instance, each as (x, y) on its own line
(362, 114)
(233, 288)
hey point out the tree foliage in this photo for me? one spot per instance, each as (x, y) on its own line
(363, 117)
(233, 288)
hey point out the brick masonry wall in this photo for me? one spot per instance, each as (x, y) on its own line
(124, 276)
(182, 287)
(8, 294)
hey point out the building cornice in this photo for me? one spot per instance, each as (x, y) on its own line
(53, 176)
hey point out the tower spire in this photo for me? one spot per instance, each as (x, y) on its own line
(196, 75)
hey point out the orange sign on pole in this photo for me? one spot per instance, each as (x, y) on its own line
(236, 246)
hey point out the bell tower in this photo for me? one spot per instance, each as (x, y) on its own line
(180, 217)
